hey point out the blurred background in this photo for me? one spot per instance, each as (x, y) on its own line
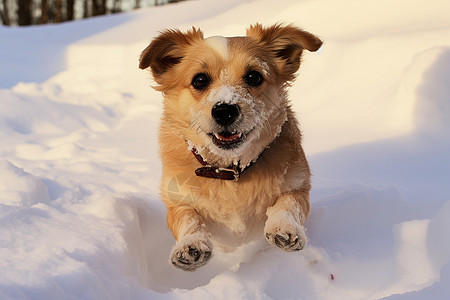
(32, 12)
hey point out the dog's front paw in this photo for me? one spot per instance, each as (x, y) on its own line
(286, 236)
(191, 252)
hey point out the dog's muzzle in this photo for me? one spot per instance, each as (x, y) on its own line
(225, 115)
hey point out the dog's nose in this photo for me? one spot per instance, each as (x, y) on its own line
(225, 114)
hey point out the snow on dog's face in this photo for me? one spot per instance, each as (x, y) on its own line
(226, 96)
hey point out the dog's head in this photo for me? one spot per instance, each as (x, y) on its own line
(227, 96)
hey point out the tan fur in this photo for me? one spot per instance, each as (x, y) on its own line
(277, 185)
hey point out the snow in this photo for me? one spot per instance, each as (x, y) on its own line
(80, 214)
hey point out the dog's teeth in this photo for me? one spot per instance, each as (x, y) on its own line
(236, 135)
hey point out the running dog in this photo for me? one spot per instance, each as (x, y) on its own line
(233, 165)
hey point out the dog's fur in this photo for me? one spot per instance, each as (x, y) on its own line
(272, 196)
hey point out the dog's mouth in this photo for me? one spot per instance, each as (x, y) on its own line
(227, 140)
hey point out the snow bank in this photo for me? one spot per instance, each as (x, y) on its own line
(80, 215)
(19, 188)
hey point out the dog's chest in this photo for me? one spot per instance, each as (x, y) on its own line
(231, 228)
(235, 212)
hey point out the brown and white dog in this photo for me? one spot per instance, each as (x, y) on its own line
(233, 165)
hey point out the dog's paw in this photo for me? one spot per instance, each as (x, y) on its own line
(191, 252)
(286, 236)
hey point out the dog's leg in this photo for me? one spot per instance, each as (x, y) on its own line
(193, 248)
(284, 225)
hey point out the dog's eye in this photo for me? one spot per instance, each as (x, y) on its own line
(253, 78)
(201, 81)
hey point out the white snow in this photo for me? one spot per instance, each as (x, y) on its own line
(80, 215)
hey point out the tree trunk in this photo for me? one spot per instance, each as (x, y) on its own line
(70, 9)
(85, 9)
(98, 7)
(4, 14)
(95, 8)
(59, 14)
(24, 12)
(44, 12)
(117, 6)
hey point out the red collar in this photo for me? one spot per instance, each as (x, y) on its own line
(232, 172)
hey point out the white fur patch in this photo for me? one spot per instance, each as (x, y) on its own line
(219, 44)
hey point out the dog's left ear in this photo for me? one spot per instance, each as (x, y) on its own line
(167, 50)
(286, 43)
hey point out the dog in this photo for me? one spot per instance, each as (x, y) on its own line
(233, 165)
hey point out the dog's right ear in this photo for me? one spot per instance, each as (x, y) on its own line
(286, 43)
(167, 50)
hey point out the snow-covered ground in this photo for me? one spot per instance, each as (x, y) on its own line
(80, 215)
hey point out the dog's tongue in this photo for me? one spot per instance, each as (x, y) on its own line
(227, 136)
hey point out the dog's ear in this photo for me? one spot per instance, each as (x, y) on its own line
(167, 50)
(286, 43)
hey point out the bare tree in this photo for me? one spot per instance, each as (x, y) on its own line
(86, 9)
(4, 13)
(95, 7)
(70, 9)
(117, 4)
(28, 12)
(44, 12)
(58, 11)
(104, 7)
(24, 12)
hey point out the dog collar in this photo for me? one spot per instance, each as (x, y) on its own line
(232, 172)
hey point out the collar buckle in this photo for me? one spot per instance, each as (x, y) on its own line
(234, 171)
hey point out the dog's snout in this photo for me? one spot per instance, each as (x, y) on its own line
(225, 114)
